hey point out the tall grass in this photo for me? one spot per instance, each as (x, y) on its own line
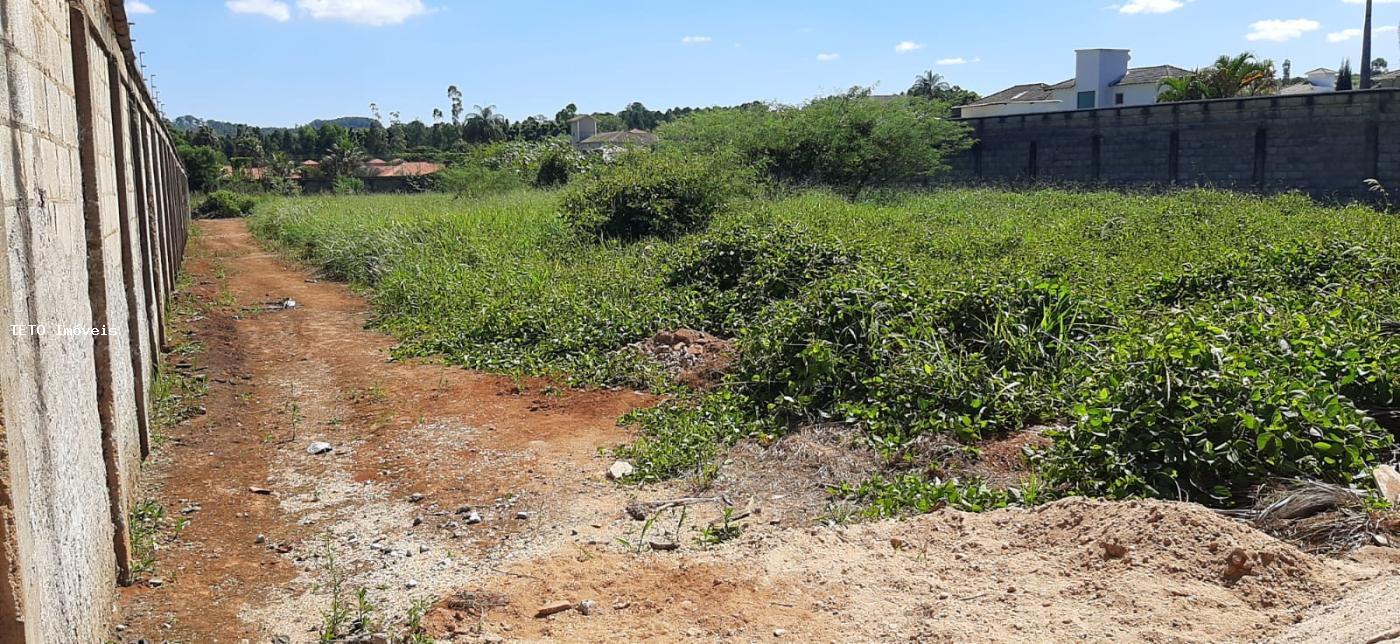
(1146, 327)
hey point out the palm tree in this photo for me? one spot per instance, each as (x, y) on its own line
(486, 124)
(345, 159)
(928, 85)
(1240, 75)
(1174, 89)
(1230, 76)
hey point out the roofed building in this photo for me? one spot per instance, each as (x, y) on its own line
(583, 132)
(1102, 79)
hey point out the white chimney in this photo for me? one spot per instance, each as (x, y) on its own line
(1095, 71)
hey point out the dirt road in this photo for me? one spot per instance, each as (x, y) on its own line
(456, 505)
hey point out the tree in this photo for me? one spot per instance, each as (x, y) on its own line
(564, 115)
(1379, 66)
(485, 125)
(1229, 77)
(637, 117)
(376, 140)
(932, 86)
(454, 96)
(345, 159)
(1366, 50)
(204, 165)
(928, 84)
(1344, 77)
(1287, 72)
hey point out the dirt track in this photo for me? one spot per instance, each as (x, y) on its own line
(525, 457)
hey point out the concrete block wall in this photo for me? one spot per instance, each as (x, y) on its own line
(1326, 145)
(93, 222)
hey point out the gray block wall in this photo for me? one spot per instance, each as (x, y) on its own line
(1326, 145)
(89, 180)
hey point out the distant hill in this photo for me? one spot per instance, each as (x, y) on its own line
(189, 123)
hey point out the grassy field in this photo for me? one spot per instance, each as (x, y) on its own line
(1187, 345)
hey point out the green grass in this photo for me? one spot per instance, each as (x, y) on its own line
(1187, 345)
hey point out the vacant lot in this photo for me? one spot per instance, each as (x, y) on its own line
(849, 341)
(1191, 345)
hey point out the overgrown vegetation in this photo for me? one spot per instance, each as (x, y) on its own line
(651, 194)
(1187, 345)
(848, 142)
(222, 204)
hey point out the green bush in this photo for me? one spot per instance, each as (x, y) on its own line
(222, 204)
(556, 166)
(1270, 369)
(735, 271)
(849, 142)
(646, 194)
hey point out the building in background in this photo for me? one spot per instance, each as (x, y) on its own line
(1102, 78)
(584, 134)
(1317, 81)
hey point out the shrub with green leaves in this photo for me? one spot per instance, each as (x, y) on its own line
(732, 272)
(646, 194)
(222, 204)
(849, 142)
(1266, 365)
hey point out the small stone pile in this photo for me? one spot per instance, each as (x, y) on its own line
(695, 357)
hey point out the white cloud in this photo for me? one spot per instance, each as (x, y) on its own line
(1281, 30)
(696, 40)
(957, 61)
(1150, 6)
(908, 46)
(1348, 34)
(375, 13)
(139, 7)
(278, 11)
(826, 58)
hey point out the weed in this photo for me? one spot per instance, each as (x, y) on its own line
(726, 529)
(144, 530)
(1188, 345)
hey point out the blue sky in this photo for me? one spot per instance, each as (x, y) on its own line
(284, 62)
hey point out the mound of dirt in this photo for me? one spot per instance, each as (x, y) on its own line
(696, 358)
(1074, 570)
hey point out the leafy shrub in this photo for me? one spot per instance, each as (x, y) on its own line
(737, 270)
(222, 204)
(905, 359)
(1270, 370)
(849, 141)
(646, 194)
(556, 166)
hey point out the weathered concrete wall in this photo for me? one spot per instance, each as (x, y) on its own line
(83, 198)
(1326, 144)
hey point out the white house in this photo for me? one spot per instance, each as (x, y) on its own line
(1102, 78)
(1319, 80)
(583, 132)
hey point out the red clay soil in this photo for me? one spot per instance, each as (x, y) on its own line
(463, 504)
(282, 378)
